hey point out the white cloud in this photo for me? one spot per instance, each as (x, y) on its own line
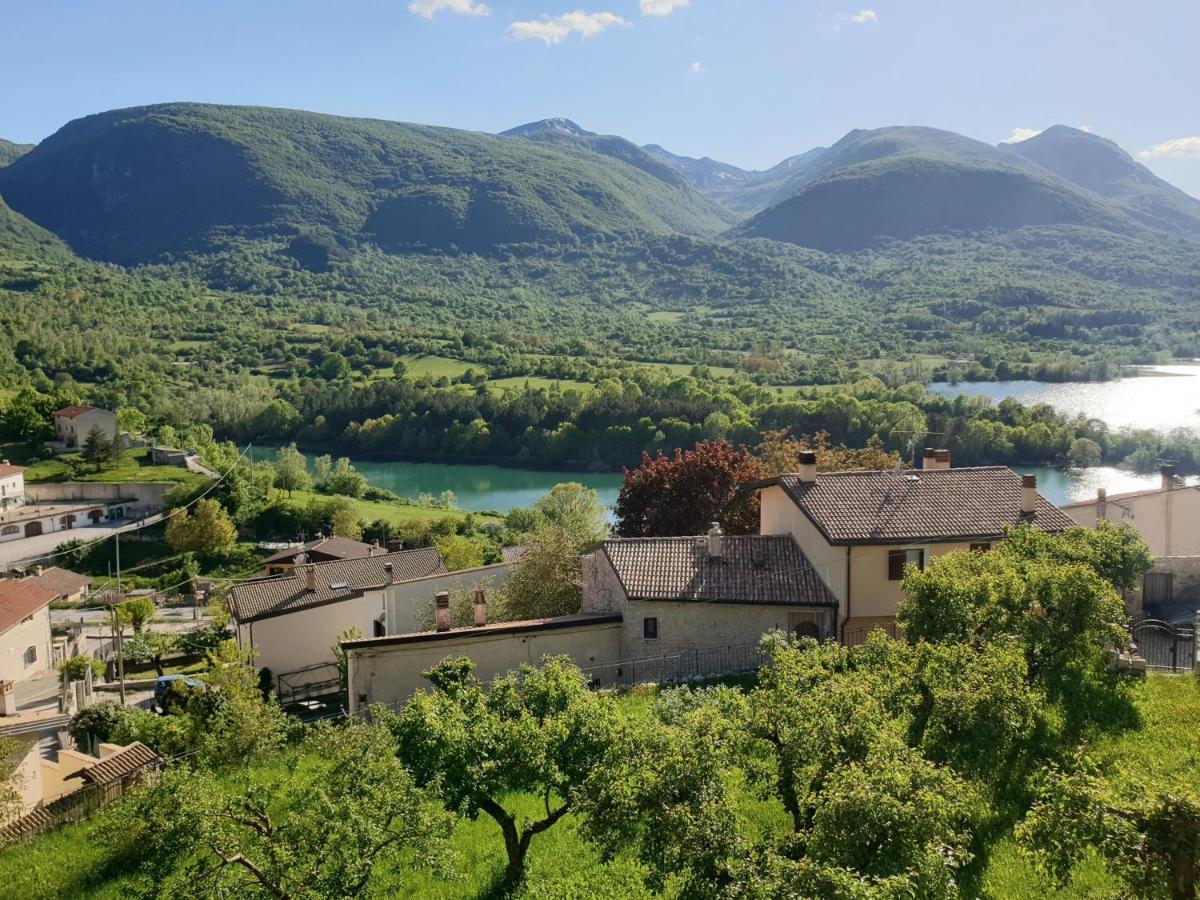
(1188, 146)
(558, 29)
(697, 68)
(1021, 134)
(427, 9)
(662, 7)
(866, 17)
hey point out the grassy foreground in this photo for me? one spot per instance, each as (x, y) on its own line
(1163, 750)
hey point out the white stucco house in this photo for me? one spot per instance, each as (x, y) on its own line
(26, 645)
(12, 486)
(72, 424)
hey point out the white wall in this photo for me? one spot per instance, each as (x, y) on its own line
(15, 641)
(305, 638)
(407, 602)
(780, 515)
(1169, 521)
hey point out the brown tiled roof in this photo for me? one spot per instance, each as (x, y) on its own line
(70, 412)
(324, 549)
(7, 469)
(267, 597)
(21, 599)
(769, 569)
(925, 505)
(491, 630)
(124, 762)
(63, 582)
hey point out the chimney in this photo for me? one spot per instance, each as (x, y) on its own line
(716, 541)
(936, 460)
(442, 605)
(807, 472)
(374, 547)
(310, 579)
(1028, 495)
(1101, 504)
(480, 609)
(1168, 477)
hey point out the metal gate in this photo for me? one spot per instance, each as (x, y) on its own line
(1165, 647)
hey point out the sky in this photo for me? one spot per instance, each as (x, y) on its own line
(748, 82)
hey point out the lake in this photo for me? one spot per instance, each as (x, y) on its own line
(1167, 399)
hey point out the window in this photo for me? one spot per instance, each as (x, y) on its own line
(9, 529)
(650, 629)
(378, 628)
(898, 559)
(30, 656)
(980, 548)
(808, 630)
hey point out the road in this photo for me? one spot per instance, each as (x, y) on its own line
(27, 550)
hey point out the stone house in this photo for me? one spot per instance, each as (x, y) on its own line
(860, 529)
(72, 424)
(323, 549)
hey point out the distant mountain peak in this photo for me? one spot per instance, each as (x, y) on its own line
(559, 125)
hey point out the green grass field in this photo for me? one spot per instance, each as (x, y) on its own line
(436, 366)
(1164, 749)
(133, 468)
(537, 381)
(396, 513)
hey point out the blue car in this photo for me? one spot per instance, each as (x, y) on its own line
(163, 683)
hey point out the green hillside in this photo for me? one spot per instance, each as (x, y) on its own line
(21, 239)
(900, 183)
(1099, 165)
(132, 185)
(10, 151)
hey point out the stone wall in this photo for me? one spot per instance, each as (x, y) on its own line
(1186, 570)
(144, 495)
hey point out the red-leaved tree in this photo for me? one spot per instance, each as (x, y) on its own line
(684, 494)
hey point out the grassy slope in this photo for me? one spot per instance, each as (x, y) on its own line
(133, 468)
(396, 513)
(1165, 747)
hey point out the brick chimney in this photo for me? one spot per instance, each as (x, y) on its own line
(441, 602)
(935, 460)
(1028, 495)
(716, 541)
(807, 471)
(1168, 477)
(310, 579)
(480, 609)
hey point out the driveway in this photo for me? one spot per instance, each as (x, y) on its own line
(27, 550)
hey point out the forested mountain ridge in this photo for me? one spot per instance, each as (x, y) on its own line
(134, 185)
(10, 151)
(741, 190)
(1098, 164)
(901, 182)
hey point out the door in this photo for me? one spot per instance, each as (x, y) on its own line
(33, 529)
(1157, 588)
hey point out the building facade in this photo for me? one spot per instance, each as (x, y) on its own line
(73, 424)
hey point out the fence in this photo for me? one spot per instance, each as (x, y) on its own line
(322, 680)
(852, 637)
(686, 665)
(1165, 647)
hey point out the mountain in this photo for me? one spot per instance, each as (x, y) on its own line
(136, 185)
(902, 182)
(21, 239)
(741, 190)
(10, 151)
(1098, 164)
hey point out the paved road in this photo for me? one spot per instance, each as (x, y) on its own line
(29, 549)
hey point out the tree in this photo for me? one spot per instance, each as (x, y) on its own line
(345, 523)
(1151, 843)
(151, 647)
(686, 493)
(208, 530)
(98, 449)
(538, 730)
(138, 612)
(233, 723)
(575, 509)
(459, 552)
(94, 723)
(1084, 453)
(322, 471)
(548, 580)
(322, 832)
(344, 479)
(780, 453)
(353, 633)
(291, 470)
(12, 753)
(131, 419)
(76, 668)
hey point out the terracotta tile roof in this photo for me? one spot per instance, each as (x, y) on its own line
(768, 569)
(325, 549)
(21, 599)
(70, 412)
(124, 762)
(925, 505)
(63, 582)
(337, 580)
(7, 469)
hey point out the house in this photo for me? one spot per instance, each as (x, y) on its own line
(25, 640)
(68, 586)
(860, 529)
(693, 605)
(323, 549)
(73, 424)
(12, 486)
(1168, 519)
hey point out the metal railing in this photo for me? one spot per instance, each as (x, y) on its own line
(674, 668)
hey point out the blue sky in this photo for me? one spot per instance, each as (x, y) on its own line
(746, 81)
